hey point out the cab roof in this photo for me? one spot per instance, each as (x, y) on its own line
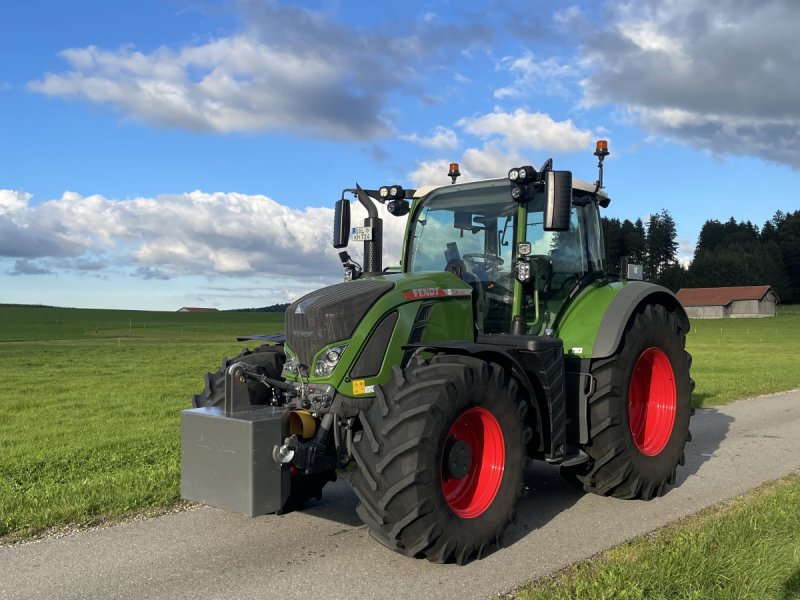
(577, 184)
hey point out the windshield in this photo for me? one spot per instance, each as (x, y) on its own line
(470, 233)
(451, 226)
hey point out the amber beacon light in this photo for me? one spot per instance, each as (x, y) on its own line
(601, 149)
(454, 173)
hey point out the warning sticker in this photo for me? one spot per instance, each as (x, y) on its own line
(360, 388)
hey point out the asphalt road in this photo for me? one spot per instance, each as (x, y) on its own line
(325, 552)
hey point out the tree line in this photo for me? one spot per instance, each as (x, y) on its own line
(727, 254)
(279, 308)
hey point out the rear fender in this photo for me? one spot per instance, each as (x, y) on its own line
(623, 307)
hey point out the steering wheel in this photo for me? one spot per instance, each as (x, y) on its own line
(489, 260)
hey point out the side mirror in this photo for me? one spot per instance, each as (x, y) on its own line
(341, 224)
(558, 200)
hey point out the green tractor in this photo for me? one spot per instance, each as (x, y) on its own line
(500, 338)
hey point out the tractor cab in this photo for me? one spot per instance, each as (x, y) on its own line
(482, 235)
(525, 244)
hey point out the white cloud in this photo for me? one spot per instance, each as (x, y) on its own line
(292, 69)
(648, 38)
(180, 235)
(231, 84)
(12, 201)
(507, 137)
(490, 161)
(442, 138)
(523, 129)
(568, 17)
(187, 234)
(549, 77)
(493, 160)
(685, 251)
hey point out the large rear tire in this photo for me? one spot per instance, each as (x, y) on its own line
(441, 458)
(639, 414)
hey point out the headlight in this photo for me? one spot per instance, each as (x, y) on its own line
(328, 361)
(523, 271)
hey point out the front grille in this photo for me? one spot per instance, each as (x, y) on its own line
(329, 315)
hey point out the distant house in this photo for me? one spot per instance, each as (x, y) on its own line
(729, 302)
(195, 309)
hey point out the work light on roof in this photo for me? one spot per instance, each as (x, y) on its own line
(391, 192)
(521, 175)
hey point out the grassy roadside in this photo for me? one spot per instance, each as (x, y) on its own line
(746, 548)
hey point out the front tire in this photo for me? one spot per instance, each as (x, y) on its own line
(639, 415)
(441, 458)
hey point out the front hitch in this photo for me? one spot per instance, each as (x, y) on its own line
(313, 456)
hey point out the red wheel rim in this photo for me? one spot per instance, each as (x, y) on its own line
(652, 402)
(470, 496)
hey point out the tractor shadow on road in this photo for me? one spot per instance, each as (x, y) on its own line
(338, 504)
(709, 427)
(548, 494)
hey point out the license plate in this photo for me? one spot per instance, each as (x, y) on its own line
(362, 234)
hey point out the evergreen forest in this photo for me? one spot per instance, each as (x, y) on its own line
(729, 253)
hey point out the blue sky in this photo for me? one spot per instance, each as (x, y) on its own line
(157, 154)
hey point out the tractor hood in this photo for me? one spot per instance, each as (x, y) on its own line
(330, 314)
(348, 312)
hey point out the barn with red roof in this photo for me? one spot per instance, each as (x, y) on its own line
(729, 302)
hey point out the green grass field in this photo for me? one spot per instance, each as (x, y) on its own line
(90, 403)
(739, 358)
(90, 399)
